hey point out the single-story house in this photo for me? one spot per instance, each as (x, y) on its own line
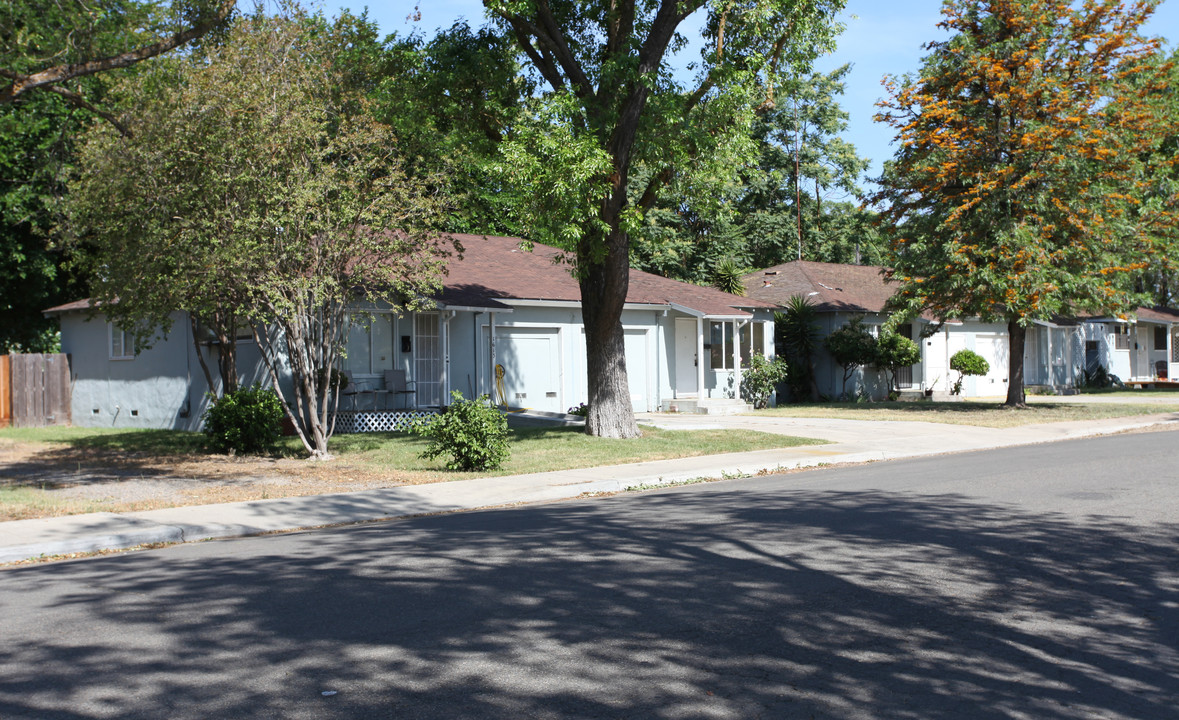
(507, 323)
(1141, 348)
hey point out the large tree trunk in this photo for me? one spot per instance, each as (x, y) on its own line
(1018, 335)
(603, 293)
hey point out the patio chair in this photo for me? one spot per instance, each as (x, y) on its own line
(1160, 369)
(396, 385)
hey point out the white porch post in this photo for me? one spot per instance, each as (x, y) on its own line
(737, 359)
(700, 358)
(1170, 342)
(491, 368)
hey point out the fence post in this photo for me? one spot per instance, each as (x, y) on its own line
(5, 390)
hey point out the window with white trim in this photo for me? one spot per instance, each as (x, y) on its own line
(753, 341)
(122, 344)
(721, 345)
(1121, 337)
(370, 344)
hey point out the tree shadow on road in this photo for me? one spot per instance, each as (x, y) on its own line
(714, 603)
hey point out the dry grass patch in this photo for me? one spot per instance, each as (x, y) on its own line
(60, 471)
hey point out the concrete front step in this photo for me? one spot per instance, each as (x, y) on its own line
(707, 406)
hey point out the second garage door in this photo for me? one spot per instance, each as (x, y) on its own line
(531, 361)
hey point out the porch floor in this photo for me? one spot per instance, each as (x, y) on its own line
(1155, 384)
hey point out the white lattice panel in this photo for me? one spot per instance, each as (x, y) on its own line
(363, 421)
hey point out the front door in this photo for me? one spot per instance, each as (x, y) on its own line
(685, 358)
(427, 359)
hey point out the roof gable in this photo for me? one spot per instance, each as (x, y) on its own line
(830, 287)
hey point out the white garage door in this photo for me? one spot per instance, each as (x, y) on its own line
(531, 361)
(638, 369)
(993, 347)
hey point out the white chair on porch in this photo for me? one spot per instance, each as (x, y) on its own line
(397, 385)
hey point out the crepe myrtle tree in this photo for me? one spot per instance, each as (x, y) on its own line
(255, 190)
(615, 125)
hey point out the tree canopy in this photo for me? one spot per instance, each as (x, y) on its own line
(1016, 193)
(255, 190)
(616, 125)
(796, 196)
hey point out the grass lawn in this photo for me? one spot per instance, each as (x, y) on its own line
(984, 414)
(57, 471)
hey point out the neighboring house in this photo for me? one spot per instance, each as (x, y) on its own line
(841, 292)
(1142, 348)
(500, 307)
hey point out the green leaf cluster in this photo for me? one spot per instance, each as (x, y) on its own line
(852, 346)
(797, 337)
(759, 380)
(246, 421)
(256, 188)
(895, 351)
(472, 433)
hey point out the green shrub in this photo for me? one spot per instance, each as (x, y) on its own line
(895, 351)
(967, 362)
(247, 421)
(851, 346)
(760, 379)
(472, 432)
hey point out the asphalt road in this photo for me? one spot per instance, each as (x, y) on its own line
(1034, 582)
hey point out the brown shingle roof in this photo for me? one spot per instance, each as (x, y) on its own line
(496, 268)
(83, 304)
(830, 287)
(1158, 313)
(493, 269)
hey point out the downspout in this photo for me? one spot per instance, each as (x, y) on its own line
(446, 353)
(658, 361)
(699, 359)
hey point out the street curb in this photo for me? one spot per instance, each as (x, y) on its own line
(99, 532)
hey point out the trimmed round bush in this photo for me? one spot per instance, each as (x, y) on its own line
(472, 432)
(247, 421)
(968, 362)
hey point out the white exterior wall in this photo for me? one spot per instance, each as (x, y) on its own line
(933, 372)
(1115, 361)
(543, 352)
(541, 347)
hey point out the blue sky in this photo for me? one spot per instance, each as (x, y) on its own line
(881, 38)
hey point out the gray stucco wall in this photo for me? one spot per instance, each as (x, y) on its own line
(153, 389)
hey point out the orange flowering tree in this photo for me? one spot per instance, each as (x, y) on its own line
(1021, 186)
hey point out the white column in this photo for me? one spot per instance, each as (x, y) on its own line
(495, 399)
(737, 358)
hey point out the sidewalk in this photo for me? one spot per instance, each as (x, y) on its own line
(851, 441)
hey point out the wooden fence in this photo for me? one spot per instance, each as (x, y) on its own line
(5, 391)
(35, 390)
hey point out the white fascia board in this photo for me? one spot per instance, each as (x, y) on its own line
(467, 308)
(700, 314)
(687, 310)
(574, 304)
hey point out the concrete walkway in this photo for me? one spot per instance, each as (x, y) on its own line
(851, 441)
